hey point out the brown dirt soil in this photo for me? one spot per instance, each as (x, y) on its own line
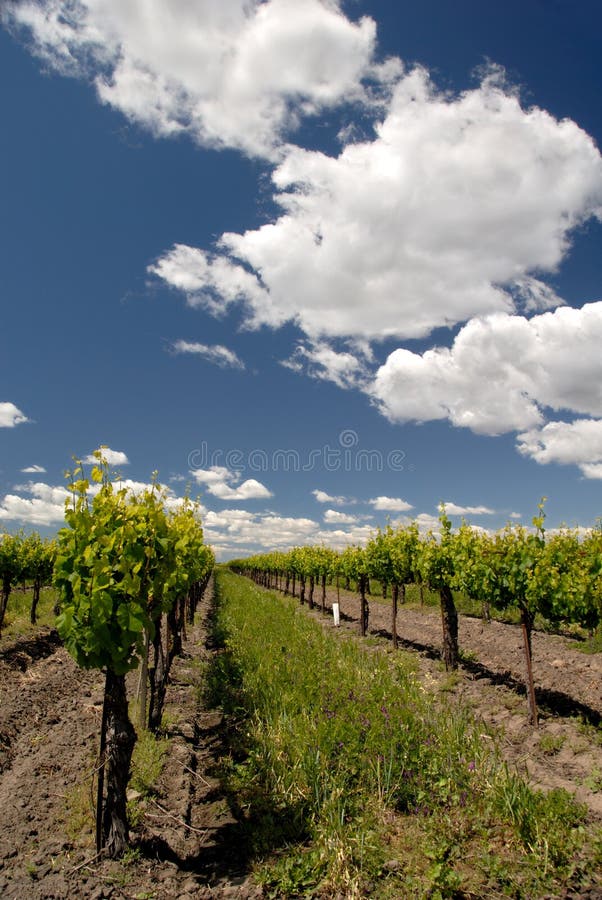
(565, 751)
(185, 843)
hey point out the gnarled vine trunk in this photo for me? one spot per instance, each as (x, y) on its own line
(37, 586)
(365, 608)
(119, 745)
(6, 586)
(526, 621)
(449, 620)
(157, 675)
(394, 600)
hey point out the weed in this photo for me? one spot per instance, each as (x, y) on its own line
(31, 870)
(131, 856)
(79, 813)
(148, 760)
(593, 733)
(592, 644)
(593, 781)
(548, 825)
(511, 700)
(444, 880)
(551, 743)
(450, 682)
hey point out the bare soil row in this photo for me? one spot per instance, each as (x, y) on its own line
(186, 842)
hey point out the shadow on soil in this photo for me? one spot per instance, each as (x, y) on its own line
(551, 701)
(22, 653)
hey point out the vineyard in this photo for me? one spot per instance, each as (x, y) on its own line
(557, 577)
(184, 736)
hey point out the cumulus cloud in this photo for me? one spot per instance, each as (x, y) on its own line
(322, 361)
(10, 415)
(238, 532)
(113, 457)
(390, 504)
(453, 509)
(46, 503)
(30, 510)
(578, 443)
(45, 506)
(323, 497)
(501, 373)
(455, 209)
(339, 538)
(237, 528)
(33, 470)
(219, 482)
(334, 517)
(425, 522)
(213, 353)
(234, 73)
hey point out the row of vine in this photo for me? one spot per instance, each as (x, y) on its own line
(558, 576)
(129, 569)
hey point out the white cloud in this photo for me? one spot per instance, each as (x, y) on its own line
(323, 497)
(32, 511)
(216, 353)
(212, 476)
(452, 509)
(578, 442)
(233, 73)
(340, 538)
(425, 521)
(10, 415)
(501, 373)
(334, 517)
(112, 457)
(219, 481)
(391, 504)
(135, 487)
(320, 360)
(46, 506)
(592, 470)
(240, 528)
(46, 492)
(238, 532)
(248, 490)
(457, 208)
(515, 515)
(33, 470)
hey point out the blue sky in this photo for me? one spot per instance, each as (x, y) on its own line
(326, 263)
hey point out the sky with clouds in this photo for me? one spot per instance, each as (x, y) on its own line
(323, 264)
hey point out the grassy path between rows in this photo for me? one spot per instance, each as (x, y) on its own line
(354, 780)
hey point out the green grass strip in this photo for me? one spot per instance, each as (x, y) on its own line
(373, 785)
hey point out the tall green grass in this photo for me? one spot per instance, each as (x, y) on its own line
(17, 620)
(374, 787)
